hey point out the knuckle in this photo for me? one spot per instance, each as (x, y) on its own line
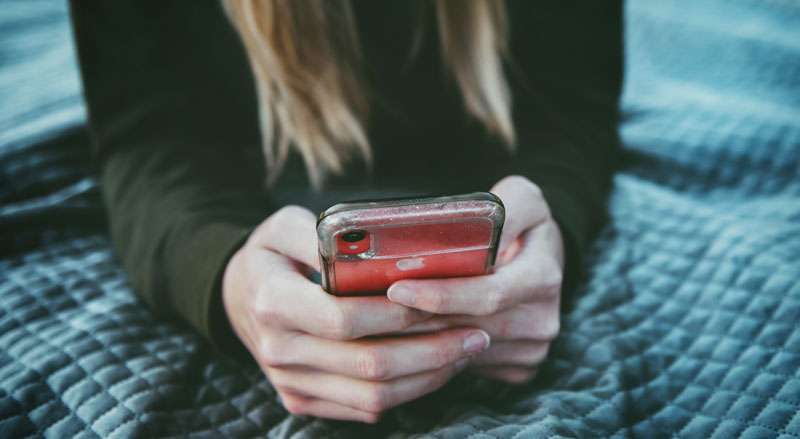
(519, 376)
(264, 310)
(538, 355)
(295, 406)
(279, 380)
(550, 329)
(551, 291)
(270, 353)
(445, 375)
(410, 317)
(339, 325)
(495, 301)
(439, 379)
(375, 399)
(527, 328)
(554, 275)
(555, 280)
(372, 364)
(372, 418)
(441, 357)
(510, 327)
(440, 302)
(522, 325)
(437, 302)
(550, 285)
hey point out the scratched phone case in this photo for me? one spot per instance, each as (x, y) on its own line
(366, 246)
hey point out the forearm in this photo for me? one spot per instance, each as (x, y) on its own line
(175, 224)
(170, 130)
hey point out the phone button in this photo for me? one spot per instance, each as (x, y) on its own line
(410, 264)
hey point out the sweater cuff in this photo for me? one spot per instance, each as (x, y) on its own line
(205, 252)
(575, 227)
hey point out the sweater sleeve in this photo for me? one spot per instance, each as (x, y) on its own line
(566, 76)
(170, 112)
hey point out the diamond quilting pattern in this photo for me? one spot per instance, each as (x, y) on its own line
(81, 355)
(689, 324)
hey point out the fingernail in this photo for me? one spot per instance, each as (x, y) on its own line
(461, 364)
(476, 342)
(401, 295)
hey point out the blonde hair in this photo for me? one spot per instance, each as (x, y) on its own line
(306, 60)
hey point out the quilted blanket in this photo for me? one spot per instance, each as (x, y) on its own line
(687, 322)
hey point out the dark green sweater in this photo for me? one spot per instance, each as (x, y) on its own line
(174, 118)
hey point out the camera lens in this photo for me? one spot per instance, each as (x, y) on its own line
(354, 235)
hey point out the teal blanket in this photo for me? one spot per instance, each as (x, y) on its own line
(686, 324)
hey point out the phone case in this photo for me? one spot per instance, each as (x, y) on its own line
(366, 246)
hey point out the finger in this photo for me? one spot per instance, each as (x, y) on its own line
(369, 396)
(479, 295)
(433, 324)
(292, 232)
(297, 303)
(524, 205)
(381, 359)
(301, 405)
(511, 375)
(513, 353)
(535, 274)
(536, 321)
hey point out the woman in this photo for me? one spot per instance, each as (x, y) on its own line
(195, 105)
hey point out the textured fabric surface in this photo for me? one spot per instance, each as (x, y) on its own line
(687, 323)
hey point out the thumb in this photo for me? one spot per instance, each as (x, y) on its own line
(525, 209)
(292, 232)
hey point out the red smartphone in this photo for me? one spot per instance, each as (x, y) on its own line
(365, 246)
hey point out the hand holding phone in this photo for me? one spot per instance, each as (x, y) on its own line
(517, 304)
(327, 355)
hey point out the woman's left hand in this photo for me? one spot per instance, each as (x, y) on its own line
(518, 304)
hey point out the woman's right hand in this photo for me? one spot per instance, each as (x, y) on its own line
(309, 343)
